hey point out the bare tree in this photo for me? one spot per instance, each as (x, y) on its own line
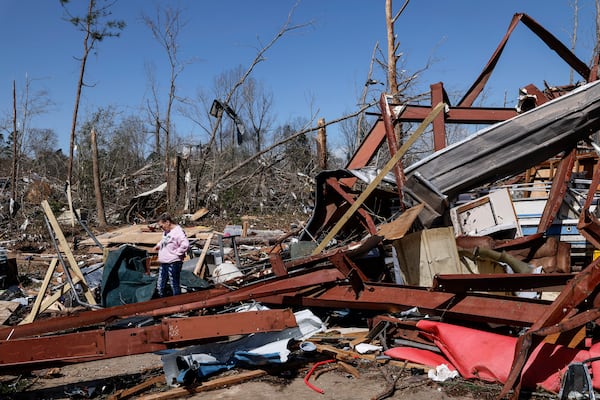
(101, 215)
(101, 122)
(287, 27)
(574, 34)
(368, 83)
(165, 29)
(392, 45)
(95, 26)
(47, 159)
(153, 107)
(13, 177)
(256, 104)
(26, 105)
(596, 54)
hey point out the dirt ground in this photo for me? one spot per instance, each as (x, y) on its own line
(103, 379)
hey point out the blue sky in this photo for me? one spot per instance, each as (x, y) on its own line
(322, 67)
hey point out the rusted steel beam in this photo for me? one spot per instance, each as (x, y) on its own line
(277, 265)
(390, 134)
(550, 40)
(459, 283)
(366, 219)
(66, 347)
(258, 290)
(576, 291)
(82, 319)
(368, 148)
(560, 183)
(101, 343)
(177, 304)
(240, 323)
(459, 115)
(513, 311)
(438, 95)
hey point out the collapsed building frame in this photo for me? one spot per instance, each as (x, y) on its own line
(342, 277)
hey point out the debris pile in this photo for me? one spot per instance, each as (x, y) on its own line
(431, 268)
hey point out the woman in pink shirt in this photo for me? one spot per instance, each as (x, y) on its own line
(171, 252)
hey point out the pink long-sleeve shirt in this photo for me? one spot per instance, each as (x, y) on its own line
(172, 246)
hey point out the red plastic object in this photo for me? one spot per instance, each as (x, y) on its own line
(310, 385)
(419, 356)
(489, 356)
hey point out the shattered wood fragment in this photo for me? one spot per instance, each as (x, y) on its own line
(345, 355)
(70, 257)
(6, 309)
(200, 269)
(398, 228)
(125, 393)
(349, 369)
(38, 300)
(199, 214)
(209, 385)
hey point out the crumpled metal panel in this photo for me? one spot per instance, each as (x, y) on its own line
(511, 146)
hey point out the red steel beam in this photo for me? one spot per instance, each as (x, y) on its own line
(459, 115)
(99, 344)
(438, 95)
(82, 319)
(367, 220)
(240, 323)
(577, 290)
(388, 122)
(181, 303)
(461, 283)
(390, 298)
(558, 190)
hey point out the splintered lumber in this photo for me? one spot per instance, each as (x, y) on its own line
(349, 369)
(398, 228)
(141, 234)
(346, 355)
(199, 214)
(6, 309)
(200, 269)
(210, 385)
(125, 393)
(68, 254)
(38, 299)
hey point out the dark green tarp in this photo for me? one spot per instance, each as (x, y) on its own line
(124, 280)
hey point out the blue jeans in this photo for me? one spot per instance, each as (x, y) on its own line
(171, 273)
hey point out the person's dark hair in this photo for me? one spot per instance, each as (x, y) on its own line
(165, 217)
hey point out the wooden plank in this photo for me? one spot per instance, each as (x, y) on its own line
(41, 293)
(398, 228)
(350, 369)
(199, 214)
(66, 249)
(123, 394)
(6, 309)
(140, 234)
(48, 301)
(200, 269)
(379, 178)
(210, 385)
(346, 355)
